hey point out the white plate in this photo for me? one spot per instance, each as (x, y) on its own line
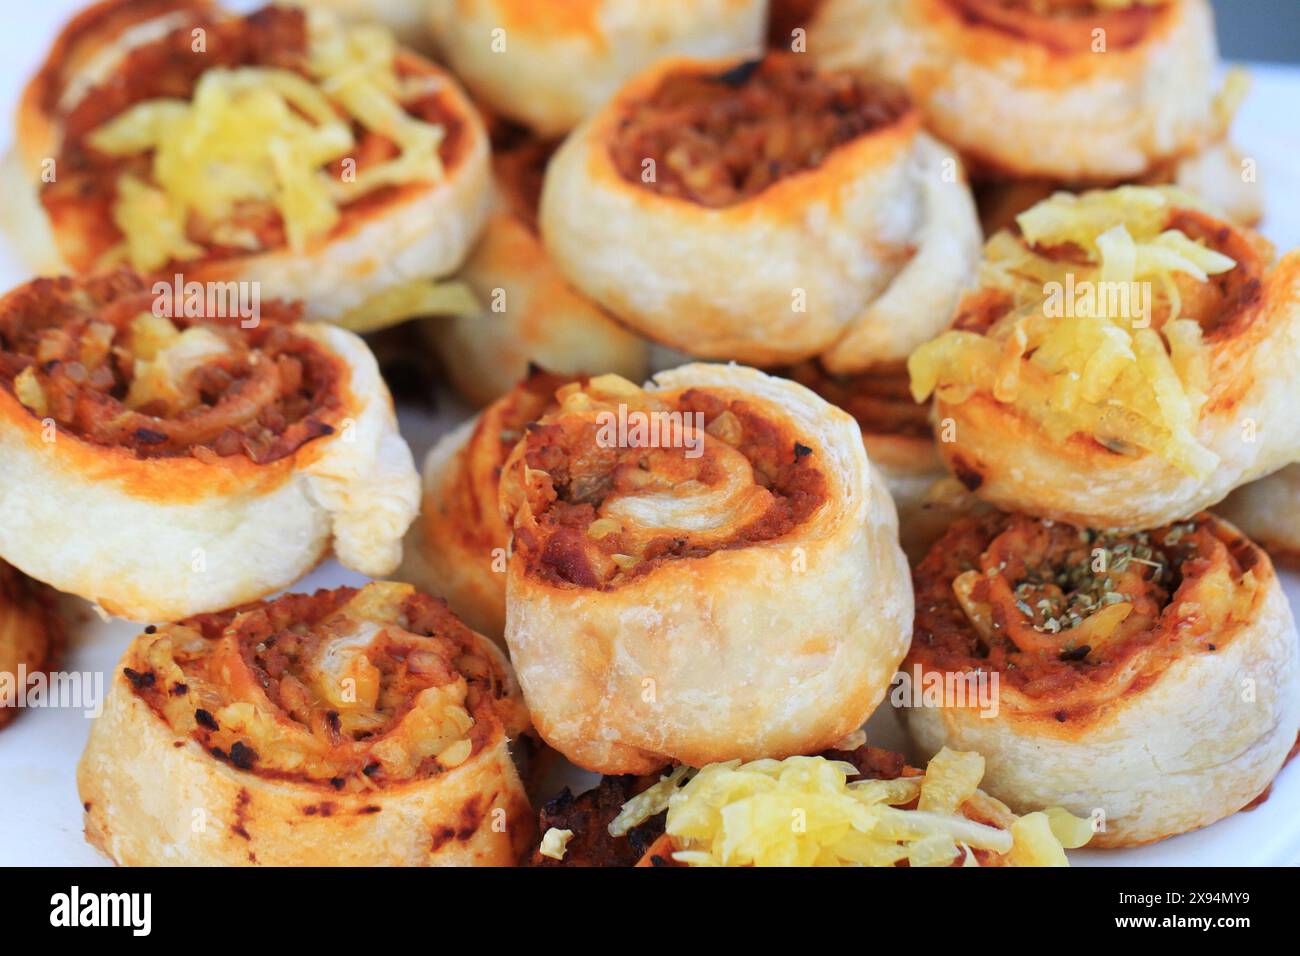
(40, 816)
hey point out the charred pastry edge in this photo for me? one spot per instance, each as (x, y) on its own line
(904, 240)
(35, 611)
(174, 537)
(423, 231)
(1047, 120)
(1006, 457)
(563, 71)
(544, 320)
(142, 787)
(1176, 754)
(855, 582)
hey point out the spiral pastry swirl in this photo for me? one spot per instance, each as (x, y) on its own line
(1125, 362)
(346, 727)
(456, 547)
(671, 543)
(1146, 679)
(763, 212)
(167, 462)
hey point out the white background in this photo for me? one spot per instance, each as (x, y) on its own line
(40, 816)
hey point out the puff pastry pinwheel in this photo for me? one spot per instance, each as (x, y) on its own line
(701, 570)
(163, 467)
(530, 314)
(549, 63)
(320, 161)
(1127, 361)
(31, 636)
(342, 728)
(763, 212)
(1268, 512)
(896, 431)
(457, 546)
(1068, 91)
(861, 807)
(408, 20)
(1146, 680)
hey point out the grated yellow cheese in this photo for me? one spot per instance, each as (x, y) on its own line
(555, 842)
(1091, 342)
(803, 811)
(257, 136)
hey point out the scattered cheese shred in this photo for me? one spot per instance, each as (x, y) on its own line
(555, 842)
(260, 137)
(803, 811)
(1091, 340)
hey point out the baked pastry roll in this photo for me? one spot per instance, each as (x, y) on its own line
(549, 63)
(1268, 512)
(763, 212)
(861, 807)
(1147, 680)
(341, 728)
(163, 467)
(530, 314)
(31, 636)
(407, 20)
(1084, 91)
(900, 444)
(1126, 362)
(457, 546)
(701, 570)
(322, 162)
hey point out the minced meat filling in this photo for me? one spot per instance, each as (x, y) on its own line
(72, 351)
(572, 544)
(310, 686)
(719, 139)
(170, 68)
(1053, 608)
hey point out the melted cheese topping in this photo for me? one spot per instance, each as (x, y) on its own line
(256, 135)
(1090, 335)
(803, 811)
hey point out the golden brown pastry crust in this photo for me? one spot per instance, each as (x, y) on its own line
(1006, 456)
(187, 764)
(1181, 715)
(531, 315)
(857, 253)
(896, 432)
(1024, 94)
(397, 235)
(632, 660)
(550, 63)
(457, 546)
(31, 631)
(1268, 512)
(200, 527)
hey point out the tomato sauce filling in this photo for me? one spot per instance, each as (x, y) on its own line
(315, 687)
(273, 37)
(1063, 26)
(71, 351)
(767, 478)
(719, 139)
(1071, 617)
